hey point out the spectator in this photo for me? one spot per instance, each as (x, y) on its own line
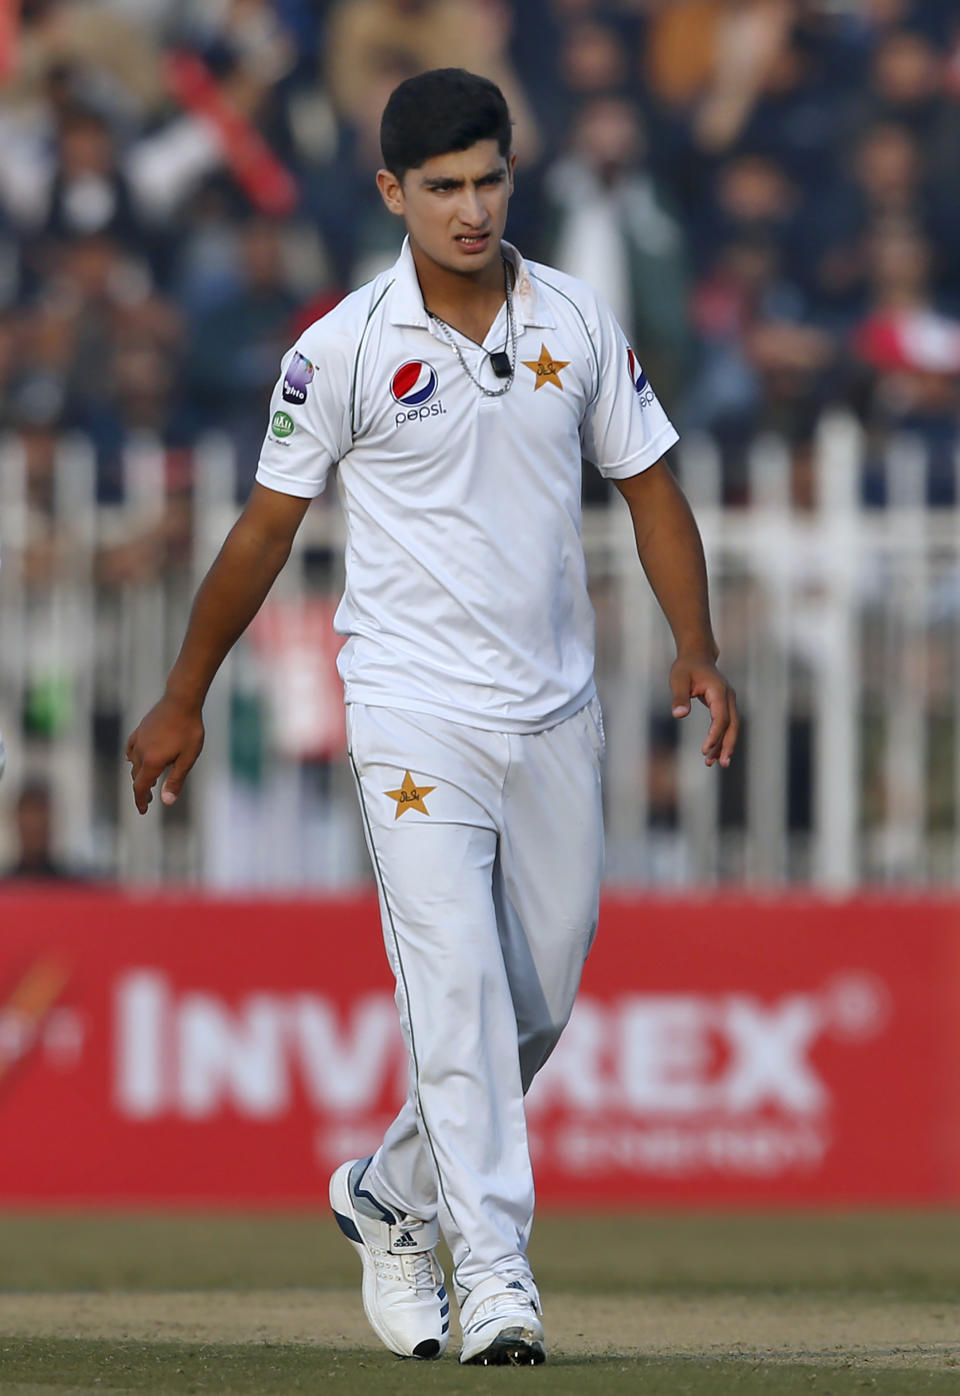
(907, 82)
(885, 181)
(37, 861)
(609, 224)
(912, 353)
(373, 44)
(888, 170)
(798, 115)
(752, 197)
(99, 304)
(107, 53)
(45, 543)
(236, 344)
(88, 192)
(760, 365)
(593, 61)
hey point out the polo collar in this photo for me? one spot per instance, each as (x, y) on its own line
(406, 299)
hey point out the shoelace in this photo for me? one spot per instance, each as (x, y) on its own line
(417, 1268)
(508, 1301)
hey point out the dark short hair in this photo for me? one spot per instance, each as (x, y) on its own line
(439, 111)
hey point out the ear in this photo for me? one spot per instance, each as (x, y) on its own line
(511, 166)
(391, 191)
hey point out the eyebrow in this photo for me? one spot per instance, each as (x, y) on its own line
(446, 182)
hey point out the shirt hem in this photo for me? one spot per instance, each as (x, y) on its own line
(283, 484)
(486, 722)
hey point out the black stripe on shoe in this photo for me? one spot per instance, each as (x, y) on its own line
(349, 1228)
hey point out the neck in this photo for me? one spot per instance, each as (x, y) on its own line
(458, 291)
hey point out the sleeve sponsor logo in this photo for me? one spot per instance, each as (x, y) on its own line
(639, 380)
(297, 379)
(282, 424)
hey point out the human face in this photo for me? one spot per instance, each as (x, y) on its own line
(455, 208)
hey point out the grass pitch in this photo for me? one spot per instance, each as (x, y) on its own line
(739, 1303)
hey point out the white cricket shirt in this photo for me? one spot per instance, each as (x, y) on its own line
(466, 589)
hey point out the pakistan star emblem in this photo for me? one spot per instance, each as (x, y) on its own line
(410, 796)
(546, 369)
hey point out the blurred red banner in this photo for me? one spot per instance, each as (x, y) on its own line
(182, 1050)
(9, 37)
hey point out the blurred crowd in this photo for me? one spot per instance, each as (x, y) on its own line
(767, 191)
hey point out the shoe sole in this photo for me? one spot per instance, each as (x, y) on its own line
(510, 1348)
(346, 1219)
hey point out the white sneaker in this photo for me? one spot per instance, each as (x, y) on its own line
(404, 1296)
(501, 1324)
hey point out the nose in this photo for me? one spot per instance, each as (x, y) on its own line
(471, 211)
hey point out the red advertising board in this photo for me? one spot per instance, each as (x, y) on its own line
(186, 1050)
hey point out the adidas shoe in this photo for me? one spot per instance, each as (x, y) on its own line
(501, 1324)
(403, 1291)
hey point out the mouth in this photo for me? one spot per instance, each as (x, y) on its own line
(473, 242)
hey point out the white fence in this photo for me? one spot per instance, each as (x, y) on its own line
(837, 624)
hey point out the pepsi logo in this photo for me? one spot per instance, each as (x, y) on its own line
(414, 383)
(637, 376)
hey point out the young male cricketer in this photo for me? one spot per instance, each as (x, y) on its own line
(457, 394)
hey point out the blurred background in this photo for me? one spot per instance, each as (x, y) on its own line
(767, 192)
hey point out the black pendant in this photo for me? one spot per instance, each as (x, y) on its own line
(500, 363)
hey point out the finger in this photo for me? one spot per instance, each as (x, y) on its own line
(170, 789)
(146, 778)
(143, 797)
(712, 754)
(732, 732)
(174, 782)
(131, 743)
(716, 700)
(680, 694)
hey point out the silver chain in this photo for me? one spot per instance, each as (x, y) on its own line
(449, 336)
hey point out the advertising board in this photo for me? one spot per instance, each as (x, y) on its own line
(178, 1050)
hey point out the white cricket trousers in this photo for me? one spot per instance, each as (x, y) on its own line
(488, 852)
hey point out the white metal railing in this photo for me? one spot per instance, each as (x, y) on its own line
(838, 625)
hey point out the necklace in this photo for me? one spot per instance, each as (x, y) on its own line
(503, 365)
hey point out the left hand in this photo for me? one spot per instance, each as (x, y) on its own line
(696, 676)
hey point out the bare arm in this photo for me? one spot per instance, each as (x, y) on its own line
(228, 598)
(671, 552)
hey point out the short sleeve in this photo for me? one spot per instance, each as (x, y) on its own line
(624, 429)
(309, 427)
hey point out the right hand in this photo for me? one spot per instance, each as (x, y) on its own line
(169, 735)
